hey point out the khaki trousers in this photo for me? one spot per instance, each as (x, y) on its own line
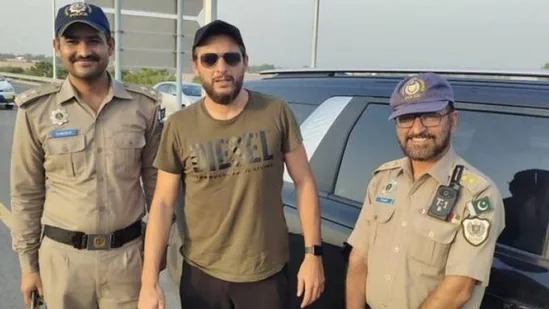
(83, 279)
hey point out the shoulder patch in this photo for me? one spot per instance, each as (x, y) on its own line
(389, 165)
(474, 182)
(31, 95)
(149, 92)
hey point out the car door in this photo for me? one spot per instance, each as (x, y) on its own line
(334, 140)
(510, 145)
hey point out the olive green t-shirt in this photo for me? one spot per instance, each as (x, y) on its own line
(234, 226)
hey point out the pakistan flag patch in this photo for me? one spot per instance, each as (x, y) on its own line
(479, 206)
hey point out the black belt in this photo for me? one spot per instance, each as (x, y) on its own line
(80, 240)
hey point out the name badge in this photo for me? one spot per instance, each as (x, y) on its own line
(385, 200)
(63, 133)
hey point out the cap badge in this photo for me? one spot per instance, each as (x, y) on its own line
(59, 116)
(78, 9)
(413, 89)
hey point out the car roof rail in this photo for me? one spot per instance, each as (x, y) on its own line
(464, 73)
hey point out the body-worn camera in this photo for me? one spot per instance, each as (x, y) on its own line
(446, 196)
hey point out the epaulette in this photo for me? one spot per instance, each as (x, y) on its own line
(31, 95)
(151, 93)
(389, 165)
(474, 182)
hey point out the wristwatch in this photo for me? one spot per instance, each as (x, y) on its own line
(314, 250)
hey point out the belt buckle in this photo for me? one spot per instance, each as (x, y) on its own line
(99, 241)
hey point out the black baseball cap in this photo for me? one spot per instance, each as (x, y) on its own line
(80, 12)
(218, 27)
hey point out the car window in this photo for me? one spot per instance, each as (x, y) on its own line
(161, 88)
(301, 111)
(511, 149)
(170, 88)
(372, 142)
(192, 90)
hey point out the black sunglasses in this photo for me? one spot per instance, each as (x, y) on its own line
(210, 59)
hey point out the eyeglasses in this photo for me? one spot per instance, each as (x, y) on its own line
(427, 120)
(210, 59)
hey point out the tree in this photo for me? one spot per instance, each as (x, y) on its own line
(41, 68)
(196, 80)
(62, 72)
(15, 70)
(147, 77)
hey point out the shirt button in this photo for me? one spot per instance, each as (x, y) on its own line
(384, 305)
(397, 249)
(100, 178)
(375, 217)
(404, 224)
(99, 150)
(431, 234)
(388, 277)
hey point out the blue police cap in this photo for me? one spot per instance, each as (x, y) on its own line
(421, 93)
(80, 12)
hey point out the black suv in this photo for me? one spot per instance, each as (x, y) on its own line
(503, 131)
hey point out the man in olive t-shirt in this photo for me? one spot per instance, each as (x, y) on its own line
(229, 151)
(234, 224)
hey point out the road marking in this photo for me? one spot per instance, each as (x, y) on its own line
(5, 215)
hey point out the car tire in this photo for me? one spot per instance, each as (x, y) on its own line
(9, 106)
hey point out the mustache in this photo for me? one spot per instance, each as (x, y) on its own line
(88, 58)
(221, 78)
(421, 135)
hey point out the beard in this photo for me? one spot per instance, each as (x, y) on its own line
(90, 73)
(434, 147)
(224, 98)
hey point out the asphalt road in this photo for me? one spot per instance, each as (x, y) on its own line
(10, 298)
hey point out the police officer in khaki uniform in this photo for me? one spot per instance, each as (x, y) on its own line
(82, 173)
(426, 234)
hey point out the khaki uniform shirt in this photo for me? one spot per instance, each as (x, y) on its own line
(409, 252)
(77, 170)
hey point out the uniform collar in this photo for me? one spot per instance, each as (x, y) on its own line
(116, 89)
(405, 167)
(66, 92)
(442, 169)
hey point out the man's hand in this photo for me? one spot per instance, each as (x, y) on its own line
(310, 279)
(151, 297)
(30, 282)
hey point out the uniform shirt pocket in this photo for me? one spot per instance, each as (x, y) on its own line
(127, 155)
(66, 155)
(431, 239)
(380, 217)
